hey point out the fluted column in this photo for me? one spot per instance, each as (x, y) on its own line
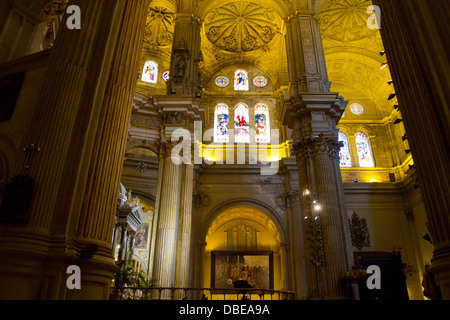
(415, 35)
(166, 229)
(80, 124)
(186, 225)
(316, 157)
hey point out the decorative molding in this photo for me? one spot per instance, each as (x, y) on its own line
(142, 121)
(241, 26)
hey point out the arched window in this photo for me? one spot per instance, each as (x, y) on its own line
(241, 123)
(262, 124)
(241, 80)
(150, 72)
(221, 120)
(345, 159)
(364, 150)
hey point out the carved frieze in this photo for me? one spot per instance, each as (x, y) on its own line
(142, 121)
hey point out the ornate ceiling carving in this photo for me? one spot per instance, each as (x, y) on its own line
(160, 27)
(241, 26)
(345, 20)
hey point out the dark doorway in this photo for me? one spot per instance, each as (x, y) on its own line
(393, 279)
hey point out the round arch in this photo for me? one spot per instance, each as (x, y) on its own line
(219, 209)
(280, 7)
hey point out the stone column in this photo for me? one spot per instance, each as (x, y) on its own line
(306, 60)
(185, 76)
(80, 123)
(166, 228)
(415, 38)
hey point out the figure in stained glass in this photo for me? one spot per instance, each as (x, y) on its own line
(364, 150)
(345, 159)
(150, 72)
(241, 123)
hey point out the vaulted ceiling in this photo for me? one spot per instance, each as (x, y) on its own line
(252, 32)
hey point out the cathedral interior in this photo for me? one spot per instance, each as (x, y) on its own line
(126, 146)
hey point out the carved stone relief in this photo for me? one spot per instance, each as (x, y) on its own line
(241, 26)
(159, 28)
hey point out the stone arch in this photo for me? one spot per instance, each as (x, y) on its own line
(219, 209)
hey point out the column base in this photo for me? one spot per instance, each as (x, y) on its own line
(440, 269)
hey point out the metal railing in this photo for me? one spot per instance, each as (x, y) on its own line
(172, 293)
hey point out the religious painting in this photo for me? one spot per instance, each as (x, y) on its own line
(242, 269)
(141, 237)
(9, 91)
(345, 159)
(150, 72)
(364, 150)
(241, 123)
(241, 80)
(221, 117)
(262, 123)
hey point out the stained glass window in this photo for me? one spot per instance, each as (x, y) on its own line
(241, 80)
(150, 72)
(221, 121)
(344, 153)
(222, 81)
(262, 125)
(260, 81)
(166, 75)
(356, 108)
(241, 123)
(364, 151)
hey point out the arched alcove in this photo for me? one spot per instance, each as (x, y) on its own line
(244, 237)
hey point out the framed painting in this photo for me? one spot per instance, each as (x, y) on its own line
(242, 269)
(141, 237)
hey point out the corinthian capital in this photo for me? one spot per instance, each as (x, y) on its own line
(311, 146)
